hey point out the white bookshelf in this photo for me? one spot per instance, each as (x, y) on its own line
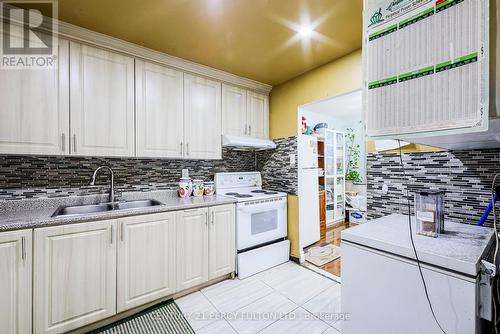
(335, 167)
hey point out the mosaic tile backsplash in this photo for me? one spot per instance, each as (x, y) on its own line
(277, 173)
(465, 176)
(53, 176)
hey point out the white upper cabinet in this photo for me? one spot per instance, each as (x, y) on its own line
(234, 111)
(202, 118)
(99, 102)
(159, 111)
(244, 113)
(258, 115)
(15, 282)
(102, 102)
(34, 116)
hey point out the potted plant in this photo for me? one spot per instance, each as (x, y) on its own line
(353, 155)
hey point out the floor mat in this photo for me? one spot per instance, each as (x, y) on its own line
(164, 318)
(320, 255)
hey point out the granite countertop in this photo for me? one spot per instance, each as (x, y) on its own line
(33, 213)
(460, 248)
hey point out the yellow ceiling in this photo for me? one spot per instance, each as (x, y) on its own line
(256, 39)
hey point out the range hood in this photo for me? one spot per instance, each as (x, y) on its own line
(240, 142)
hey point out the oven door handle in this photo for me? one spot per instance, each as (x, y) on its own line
(260, 206)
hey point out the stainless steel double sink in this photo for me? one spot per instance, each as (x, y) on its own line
(80, 210)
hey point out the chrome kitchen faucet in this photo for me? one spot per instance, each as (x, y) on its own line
(112, 185)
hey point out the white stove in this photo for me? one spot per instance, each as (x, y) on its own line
(244, 187)
(261, 221)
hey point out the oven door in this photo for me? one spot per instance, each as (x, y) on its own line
(258, 222)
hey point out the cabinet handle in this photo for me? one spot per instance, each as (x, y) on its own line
(111, 234)
(249, 130)
(213, 217)
(74, 143)
(206, 218)
(187, 148)
(182, 148)
(23, 248)
(63, 143)
(246, 129)
(122, 231)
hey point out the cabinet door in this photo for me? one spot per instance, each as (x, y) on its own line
(35, 109)
(74, 275)
(192, 248)
(146, 259)
(202, 118)
(159, 111)
(222, 249)
(15, 282)
(258, 115)
(102, 102)
(234, 111)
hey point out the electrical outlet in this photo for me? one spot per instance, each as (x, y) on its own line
(292, 159)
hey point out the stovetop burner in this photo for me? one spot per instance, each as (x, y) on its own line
(270, 192)
(243, 195)
(232, 194)
(258, 191)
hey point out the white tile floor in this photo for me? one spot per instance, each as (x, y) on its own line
(285, 299)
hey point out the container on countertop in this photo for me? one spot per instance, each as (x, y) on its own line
(198, 188)
(185, 187)
(209, 188)
(429, 213)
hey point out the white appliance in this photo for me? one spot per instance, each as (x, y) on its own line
(400, 66)
(308, 191)
(247, 142)
(261, 222)
(382, 289)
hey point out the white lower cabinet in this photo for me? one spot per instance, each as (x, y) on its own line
(146, 259)
(205, 245)
(192, 248)
(222, 243)
(83, 273)
(74, 275)
(15, 282)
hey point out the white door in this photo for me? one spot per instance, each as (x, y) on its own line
(146, 259)
(74, 275)
(307, 148)
(222, 248)
(15, 282)
(202, 118)
(258, 115)
(192, 248)
(234, 111)
(159, 111)
(102, 102)
(34, 116)
(308, 191)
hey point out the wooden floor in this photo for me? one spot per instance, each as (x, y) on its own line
(333, 237)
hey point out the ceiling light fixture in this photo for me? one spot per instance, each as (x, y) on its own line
(305, 31)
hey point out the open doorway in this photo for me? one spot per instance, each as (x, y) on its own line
(332, 178)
